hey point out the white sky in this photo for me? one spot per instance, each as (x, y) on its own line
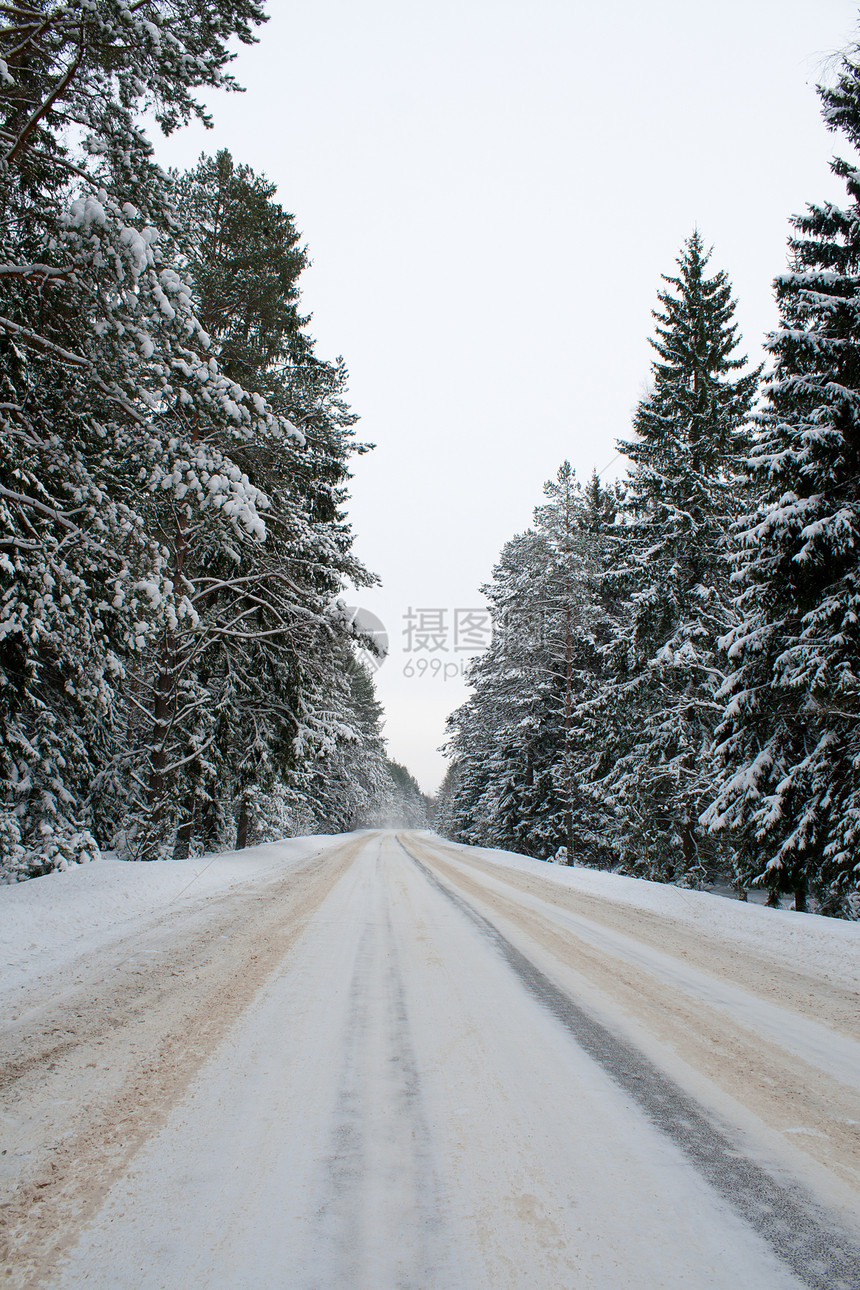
(490, 190)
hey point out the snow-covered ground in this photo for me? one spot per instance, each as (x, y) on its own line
(831, 945)
(51, 922)
(426, 1066)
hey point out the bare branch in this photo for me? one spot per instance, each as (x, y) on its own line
(42, 343)
(13, 31)
(118, 398)
(25, 9)
(191, 757)
(35, 505)
(33, 271)
(247, 636)
(52, 513)
(36, 29)
(57, 160)
(59, 89)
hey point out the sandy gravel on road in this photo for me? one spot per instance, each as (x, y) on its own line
(85, 1079)
(339, 1041)
(812, 994)
(786, 1094)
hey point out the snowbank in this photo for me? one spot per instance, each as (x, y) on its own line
(46, 922)
(827, 945)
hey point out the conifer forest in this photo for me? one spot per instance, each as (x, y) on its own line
(672, 689)
(177, 667)
(429, 645)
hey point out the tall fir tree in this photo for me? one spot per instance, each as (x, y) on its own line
(790, 734)
(669, 570)
(270, 637)
(491, 736)
(573, 524)
(171, 542)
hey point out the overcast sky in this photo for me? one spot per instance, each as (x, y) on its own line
(490, 191)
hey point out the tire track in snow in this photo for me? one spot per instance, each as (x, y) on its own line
(380, 1213)
(809, 993)
(770, 1070)
(798, 1230)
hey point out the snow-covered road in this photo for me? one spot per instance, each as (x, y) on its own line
(393, 1062)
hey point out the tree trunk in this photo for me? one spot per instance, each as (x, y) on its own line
(568, 692)
(242, 826)
(162, 712)
(182, 845)
(689, 849)
(800, 898)
(208, 826)
(164, 708)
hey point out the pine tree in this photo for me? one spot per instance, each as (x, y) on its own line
(669, 570)
(269, 631)
(103, 367)
(343, 779)
(572, 524)
(399, 804)
(445, 815)
(345, 775)
(491, 735)
(590, 618)
(522, 780)
(790, 784)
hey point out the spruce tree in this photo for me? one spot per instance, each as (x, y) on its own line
(492, 735)
(522, 761)
(790, 781)
(172, 465)
(572, 523)
(444, 810)
(669, 571)
(399, 803)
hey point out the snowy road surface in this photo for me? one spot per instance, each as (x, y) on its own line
(384, 1061)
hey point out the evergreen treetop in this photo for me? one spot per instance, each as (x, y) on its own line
(692, 429)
